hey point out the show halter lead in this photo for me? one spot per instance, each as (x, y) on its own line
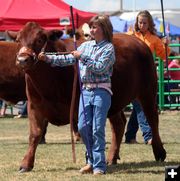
(77, 74)
(73, 94)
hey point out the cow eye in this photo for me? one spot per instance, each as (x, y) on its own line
(39, 41)
(17, 40)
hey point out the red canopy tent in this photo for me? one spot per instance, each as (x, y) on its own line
(50, 14)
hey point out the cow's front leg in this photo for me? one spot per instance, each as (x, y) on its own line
(37, 126)
(117, 123)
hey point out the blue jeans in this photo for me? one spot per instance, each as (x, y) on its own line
(92, 128)
(132, 127)
(1, 102)
(138, 117)
(23, 110)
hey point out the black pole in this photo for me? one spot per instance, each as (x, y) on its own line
(162, 10)
(73, 27)
(164, 33)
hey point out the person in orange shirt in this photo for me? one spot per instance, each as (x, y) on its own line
(144, 29)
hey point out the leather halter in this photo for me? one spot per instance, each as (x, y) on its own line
(25, 51)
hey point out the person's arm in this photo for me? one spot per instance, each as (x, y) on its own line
(57, 60)
(161, 48)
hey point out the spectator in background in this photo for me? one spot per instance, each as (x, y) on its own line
(22, 112)
(175, 63)
(3, 107)
(173, 75)
(144, 30)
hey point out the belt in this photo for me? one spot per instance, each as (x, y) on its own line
(106, 86)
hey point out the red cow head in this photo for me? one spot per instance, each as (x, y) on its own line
(35, 39)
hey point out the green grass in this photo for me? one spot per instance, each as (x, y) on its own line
(54, 160)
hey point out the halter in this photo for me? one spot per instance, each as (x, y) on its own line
(25, 51)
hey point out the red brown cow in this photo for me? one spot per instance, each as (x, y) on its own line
(49, 89)
(12, 82)
(12, 79)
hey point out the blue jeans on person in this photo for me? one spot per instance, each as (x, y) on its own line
(169, 99)
(1, 103)
(138, 118)
(23, 110)
(168, 87)
(132, 127)
(92, 128)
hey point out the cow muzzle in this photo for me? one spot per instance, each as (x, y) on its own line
(25, 57)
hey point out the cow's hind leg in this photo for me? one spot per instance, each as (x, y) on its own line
(150, 109)
(37, 127)
(117, 123)
(43, 137)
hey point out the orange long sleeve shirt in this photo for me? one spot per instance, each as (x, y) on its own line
(154, 43)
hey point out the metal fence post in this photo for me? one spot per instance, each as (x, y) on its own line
(161, 83)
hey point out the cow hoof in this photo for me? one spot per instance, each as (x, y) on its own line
(161, 157)
(77, 139)
(22, 170)
(42, 142)
(112, 162)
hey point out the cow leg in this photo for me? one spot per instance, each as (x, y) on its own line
(43, 138)
(77, 136)
(37, 127)
(150, 109)
(117, 123)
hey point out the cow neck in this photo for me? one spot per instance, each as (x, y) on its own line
(30, 77)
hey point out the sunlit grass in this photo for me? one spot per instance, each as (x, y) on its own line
(54, 160)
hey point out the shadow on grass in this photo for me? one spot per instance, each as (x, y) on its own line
(57, 169)
(147, 167)
(133, 167)
(12, 142)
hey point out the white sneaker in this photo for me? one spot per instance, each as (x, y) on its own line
(19, 116)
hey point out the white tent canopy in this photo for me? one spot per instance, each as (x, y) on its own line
(171, 16)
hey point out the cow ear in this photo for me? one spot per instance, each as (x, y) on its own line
(77, 33)
(11, 34)
(54, 34)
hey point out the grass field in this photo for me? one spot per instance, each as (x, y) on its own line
(54, 159)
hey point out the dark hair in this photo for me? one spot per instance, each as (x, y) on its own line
(173, 53)
(104, 22)
(146, 14)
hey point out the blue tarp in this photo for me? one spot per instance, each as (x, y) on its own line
(120, 25)
(169, 28)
